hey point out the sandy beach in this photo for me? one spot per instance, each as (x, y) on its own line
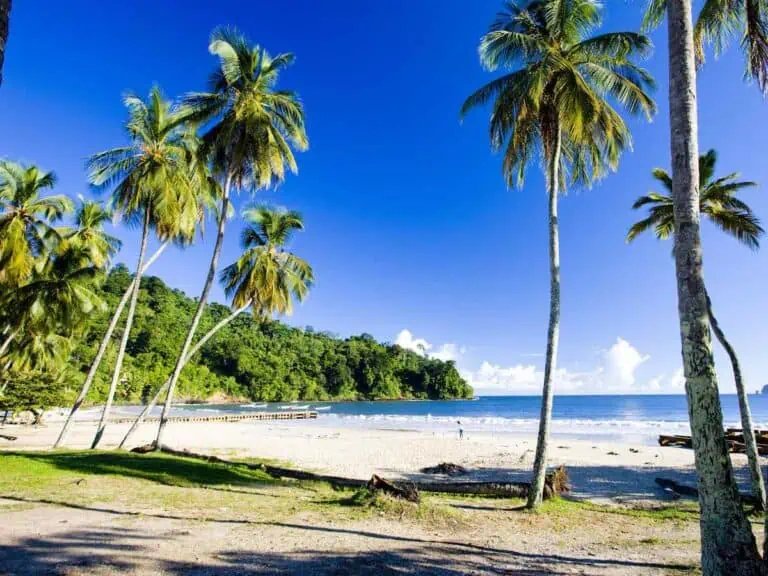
(599, 471)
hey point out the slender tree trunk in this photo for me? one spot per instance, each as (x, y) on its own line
(753, 457)
(198, 313)
(102, 349)
(148, 408)
(126, 332)
(5, 16)
(727, 543)
(8, 340)
(536, 494)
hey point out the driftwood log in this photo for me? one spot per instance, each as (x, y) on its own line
(733, 436)
(555, 484)
(682, 490)
(7, 437)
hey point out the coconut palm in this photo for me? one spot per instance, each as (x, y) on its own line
(266, 278)
(150, 183)
(727, 542)
(5, 16)
(718, 202)
(26, 219)
(89, 234)
(251, 129)
(557, 101)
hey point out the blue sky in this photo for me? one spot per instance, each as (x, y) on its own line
(409, 223)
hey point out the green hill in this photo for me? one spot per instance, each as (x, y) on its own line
(248, 360)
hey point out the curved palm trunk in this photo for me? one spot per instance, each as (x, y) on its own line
(727, 542)
(126, 333)
(198, 313)
(148, 408)
(102, 349)
(753, 457)
(536, 493)
(5, 16)
(8, 340)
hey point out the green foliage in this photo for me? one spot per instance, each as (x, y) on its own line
(561, 80)
(717, 201)
(31, 390)
(252, 359)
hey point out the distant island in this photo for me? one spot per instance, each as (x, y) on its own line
(249, 361)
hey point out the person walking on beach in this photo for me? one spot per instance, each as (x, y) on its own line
(461, 430)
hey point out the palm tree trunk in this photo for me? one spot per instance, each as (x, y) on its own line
(126, 332)
(5, 16)
(727, 542)
(148, 408)
(8, 340)
(536, 493)
(102, 349)
(198, 313)
(753, 457)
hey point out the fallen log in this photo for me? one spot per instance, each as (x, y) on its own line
(7, 437)
(556, 482)
(683, 490)
(405, 492)
(675, 440)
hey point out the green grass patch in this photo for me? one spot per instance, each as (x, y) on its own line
(680, 511)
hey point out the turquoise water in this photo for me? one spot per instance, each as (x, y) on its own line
(628, 418)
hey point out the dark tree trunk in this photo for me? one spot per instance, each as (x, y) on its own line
(5, 16)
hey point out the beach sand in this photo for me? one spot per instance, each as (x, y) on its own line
(599, 471)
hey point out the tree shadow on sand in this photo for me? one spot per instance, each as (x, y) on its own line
(128, 549)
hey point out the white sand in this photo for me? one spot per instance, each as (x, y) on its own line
(599, 471)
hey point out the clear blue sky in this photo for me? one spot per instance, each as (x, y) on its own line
(409, 224)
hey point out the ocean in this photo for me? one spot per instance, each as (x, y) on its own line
(637, 419)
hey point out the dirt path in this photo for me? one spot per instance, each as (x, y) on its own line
(48, 539)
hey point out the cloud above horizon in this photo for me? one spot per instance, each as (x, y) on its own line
(615, 371)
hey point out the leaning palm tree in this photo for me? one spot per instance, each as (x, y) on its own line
(266, 278)
(5, 16)
(555, 102)
(251, 129)
(149, 179)
(89, 234)
(26, 219)
(727, 543)
(718, 203)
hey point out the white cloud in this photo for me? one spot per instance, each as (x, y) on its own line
(449, 351)
(406, 340)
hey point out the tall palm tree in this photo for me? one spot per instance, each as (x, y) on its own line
(727, 543)
(556, 101)
(5, 16)
(266, 278)
(26, 219)
(150, 183)
(251, 129)
(718, 202)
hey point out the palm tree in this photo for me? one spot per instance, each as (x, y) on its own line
(150, 183)
(266, 278)
(718, 203)
(98, 245)
(251, 128)
(26, 219)
(5, 16)
(727, 542)
(556, 101)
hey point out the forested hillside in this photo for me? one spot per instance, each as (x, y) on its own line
(252, 361)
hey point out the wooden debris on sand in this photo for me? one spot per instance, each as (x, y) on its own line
(404, 492)
(734, 437)
(447, 468)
